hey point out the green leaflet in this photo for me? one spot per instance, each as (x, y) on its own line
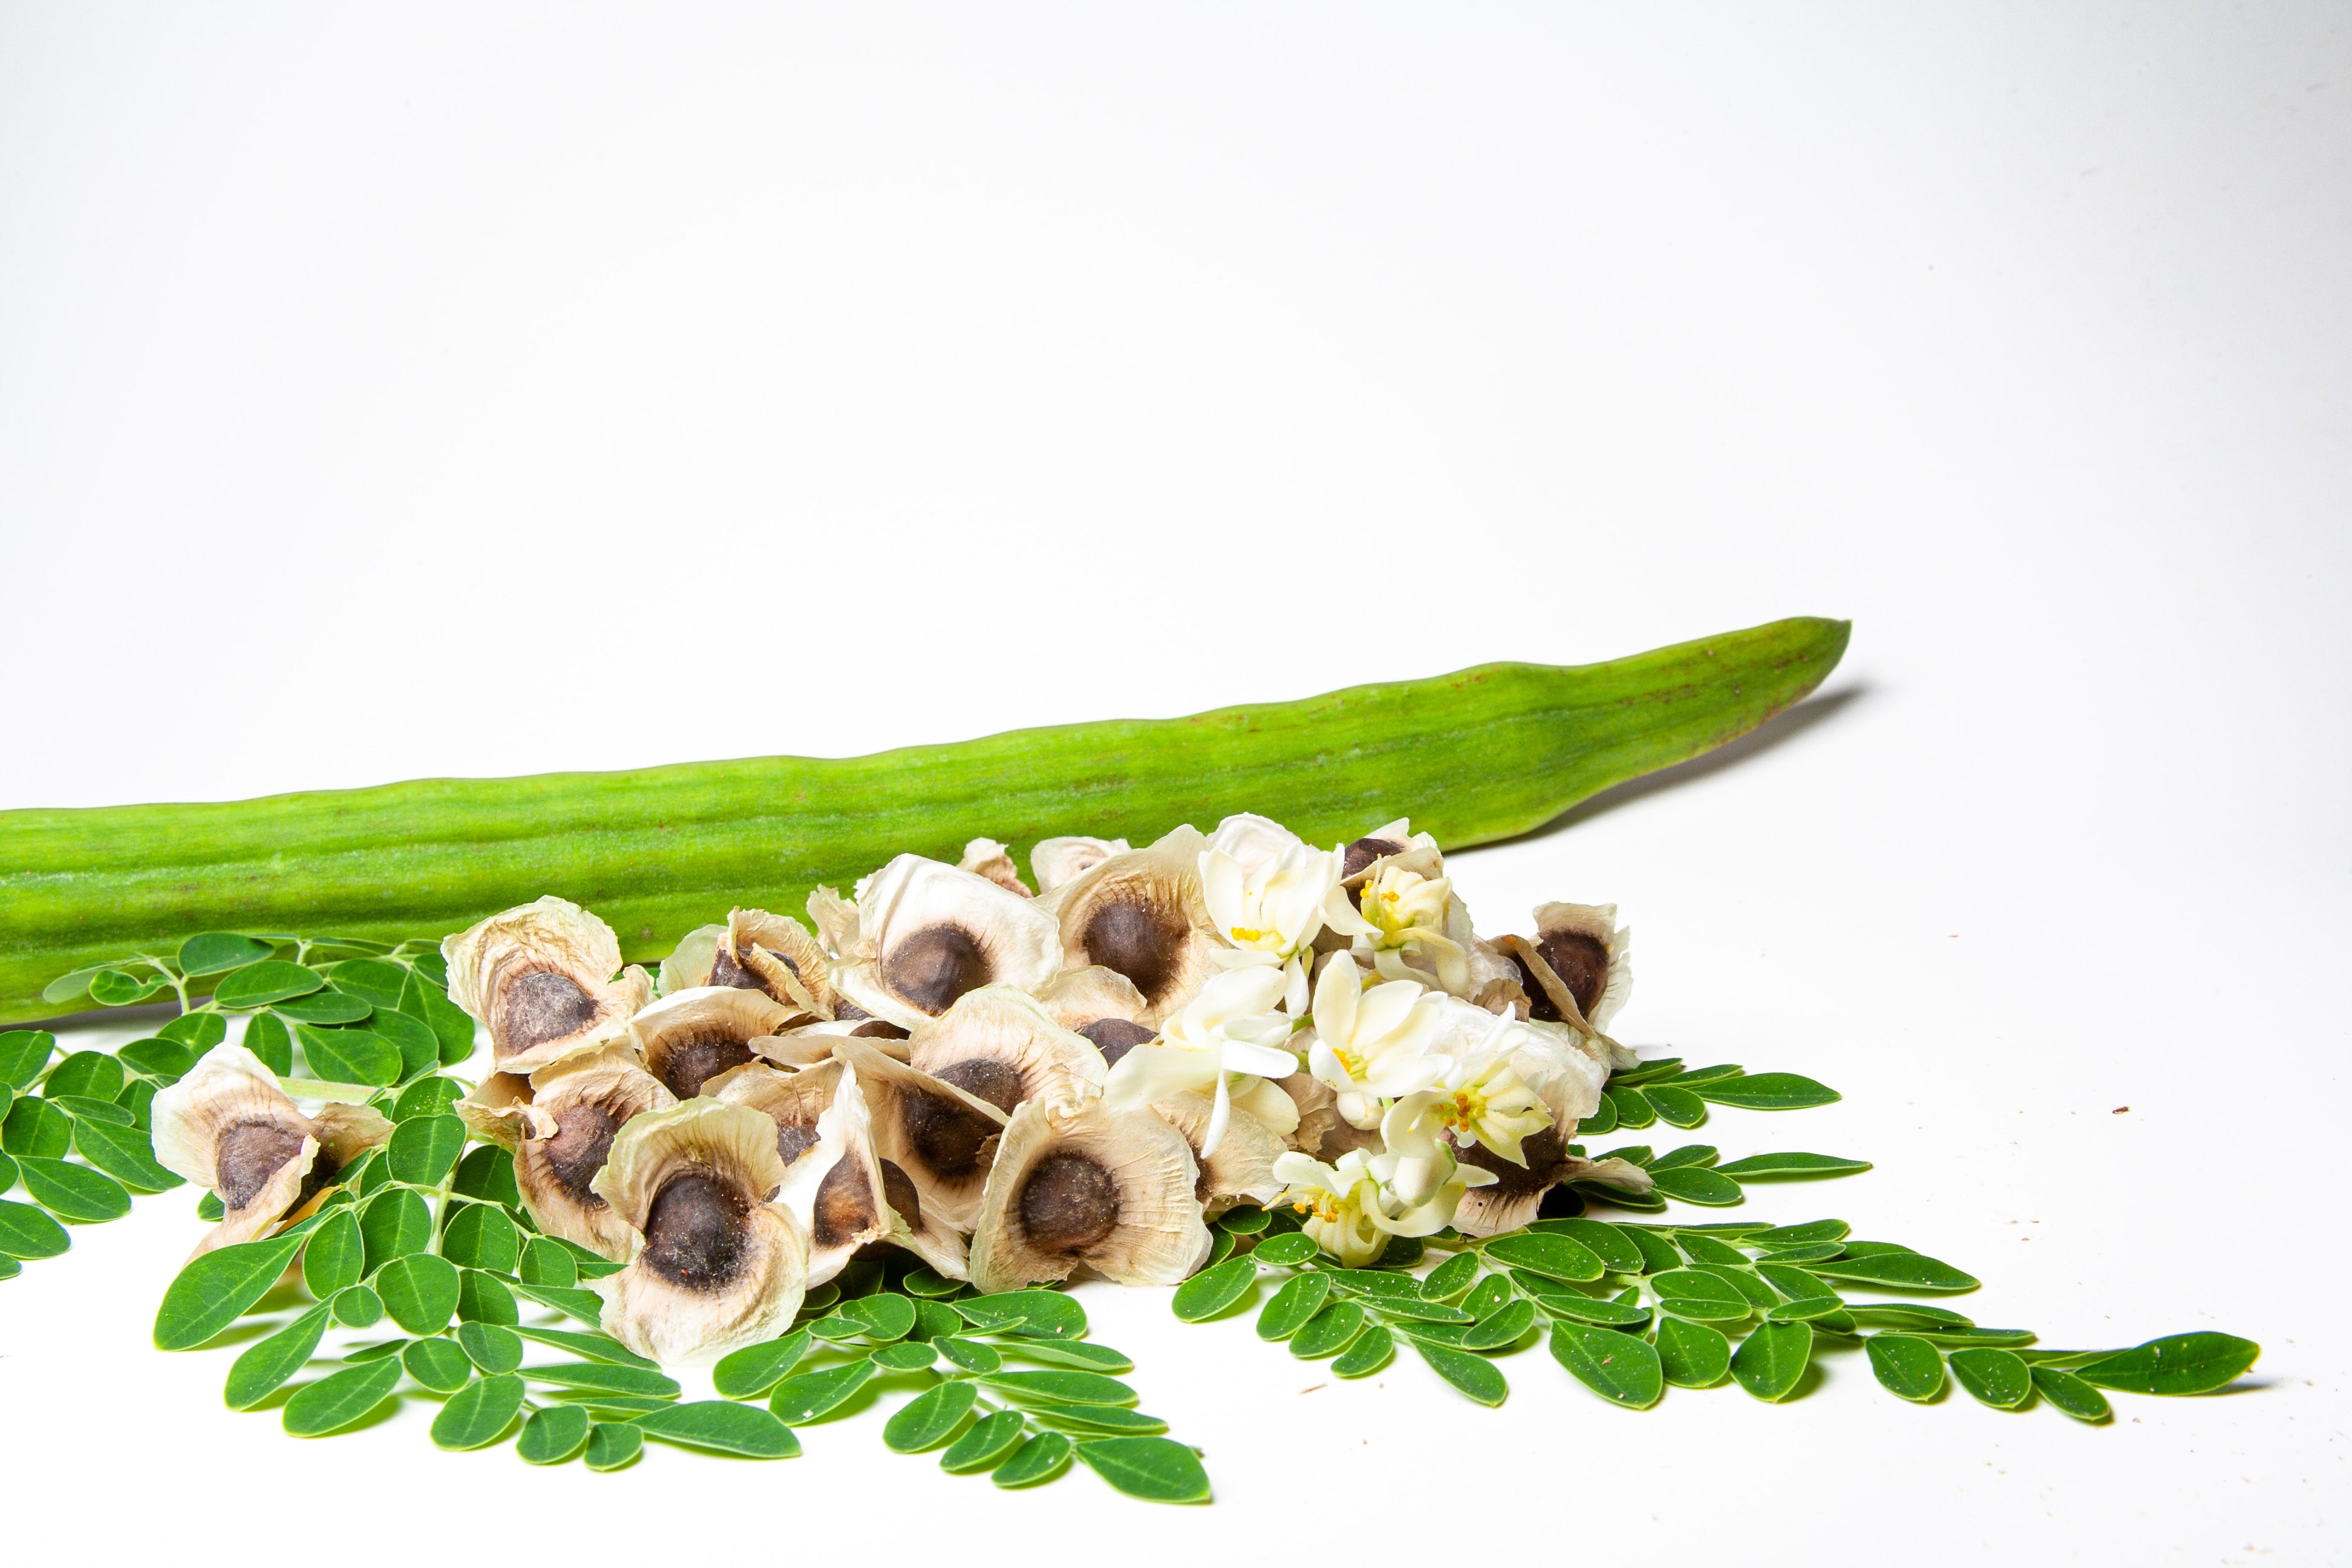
(1995, 1377)
(1153, 1468)
(1771, 1361)
(1768, 1091)
(552, 1435)
(431, 1096)
(1896, 1271)
(1504, 1326)
(36, 1129)
(811, 1395)
(1691, 1293)
(493, 1349)
(582, 1306)
(1287, 1250)
(22, 1054)
(1618, 1367)
(1211, 1291)
(542, 1262)
(218, 951)
(480, 1236)
(331, 1260)
(393, 1224)
(1658, 1254)
(613, 1445)
(339, 1399)
(1301, 1296)
(488, 1173)
(1329, 1331)
(1086, 1357)
(73, 1192)
(1630, 1106)
(423, 1151)
(266, 1036)
(723, 1425)
(1061, 1387)
(929, 1419)
(439, 1364)
(1766, 1167)
(1449, 1279)
(1613, 1247)
(905, 1355)
(419, 1290)
(2069, 1392)
(214, 1289)
(752, 1371)
(2175, 1365)
(1035, 1462)
(357, 1307)
(481, 1299)
(159, 1058)
(265, 1366)
(1559, 1302)
(602, 1378)
(92, 1075)
(270, 980)
(1553, 1257)
(1472, 1375)
(1247, 1220)
(478, 1414)
(882, 1317)
(349, 1056)
(1696, 1184)
(984, 1445)
(972, 1355)
(1367, 1354)
(125, 1153)
(1492, 1292)
(430, 1004)
(1046, 1313)
(323, 1008)
(1710, 1249)
(1906, 1366)
(83, 1110)
(1676, 1106)
(1691, 1355)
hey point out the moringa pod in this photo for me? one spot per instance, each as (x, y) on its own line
(1481, 754)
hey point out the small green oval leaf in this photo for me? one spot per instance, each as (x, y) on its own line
(1995, 1377)
(1156, 1469)
(265, 1366)
(752, 1371)
(723, 1427)
(1215, 1290)
(419, 1290)
(260, 984)
(930, 1418)
(552, 1435)
(1906, 1366)
(339, 1399)
(1618, 1367)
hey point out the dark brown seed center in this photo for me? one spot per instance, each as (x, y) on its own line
(1141, 940)
(898, 1191)
(933, 967)
(725, 971)
(1547, 1158)
(844, 1204)
(695, 1232)
(1068, 1204)
(795, 1139)
(1581, 963)
(582, 1140)
(693, 1061)
(878, 1029)
(1540, 1007)
(540, 1006)
(984, 1078)
(950, 1137)
(1364, 851)
(1114, 1037)
(248, 1155)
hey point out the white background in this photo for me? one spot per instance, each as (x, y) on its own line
(416, 390)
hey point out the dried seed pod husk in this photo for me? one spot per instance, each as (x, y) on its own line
(1318, 1112)
(1101, 1004)
(832, 1183)
(927, 933)
(713, 1264)
(700, 1033)
(498, 1110)
(1077, 1184)
(919, 1231)
(810, 1044)
(546, 978)
(227, 1126)
(835, 918)
(999, 1044)
(1055, 861)
(1142, 914)
(1577, 954)
(1363, 856)
(774, 954)
(1516, 1194)
(577, 1108)
(1241, 1166)
(942, 1137)
(690, 961)
(987, 858)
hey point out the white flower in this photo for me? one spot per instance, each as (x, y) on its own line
(1399, 912)
(1374, 1044)
(1350, 1213)
(1229, 1040)
(1257, 842)
(1478, 1098)
(1270, 907)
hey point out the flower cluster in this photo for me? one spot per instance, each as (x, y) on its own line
(1012, 1083)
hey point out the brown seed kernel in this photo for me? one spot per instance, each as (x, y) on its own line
(899, 1191)
(694, 1232)
(1068, 1204)
(582, 1140)
(878, 1029)
(795, 1139)
(1114, 1037)
(1140, 939)
(725, 971)
(1540, 1007)
(948, 1135)
(694, 1061)
(844, 1204)
(1364, 851)
(1547, 1158)
(1581, 963)
(933, 967)
(983, 1078)
(248, 1155)
(540, 1006)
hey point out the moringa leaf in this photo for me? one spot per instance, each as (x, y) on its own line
(1675, 1105)
(36, 1129)
(1553, 1257)
(1449, 1279)
(1691, 1355)
(582, 1306)
(1766, 1167)
(1896, 1271)
(488, 1173)
(213, 1291)
(1768, 1091)
(1615, 1250)
(2175, 1365)
(1329, 1331)
(603, 1377)
(724, 1427)
(357, 1307)
(437, 1364)
(1995, 1377)
(1061, 1387)
(1504, 1326)
(1906, 1366)
(552, 1435)
(1367, 1354)
(2070, 1394)
(882, 1317)
(1080, 1354)
(613, 1444)
(1211, 1291)
(332, 1259)
(972, 1355)
(903, 1356)
(478, 1414)
(419, 1290)
(545, 1263)
(418, 1046)
(268, 1036)
(984, 1445)
(125, 1153)
(431, 1096)
(1035, 1462)
(1153, 1468)
(483, 1298)
(1618, 1367)
(1287, 1250)
(480, 1236)
(1633, 1110)
(1771, 1361)
(264, 1366)
(340, 1398)
(1300, 1298)
(811, 1395)
(22, 1054)
(1474, 1376)
(929, 1419)
(349, 1056)
(493, 1348)
(218, 951)
(269, 980)
(1695, 1184)
(752, 1371)
(329, 1006)
(92, 1075)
